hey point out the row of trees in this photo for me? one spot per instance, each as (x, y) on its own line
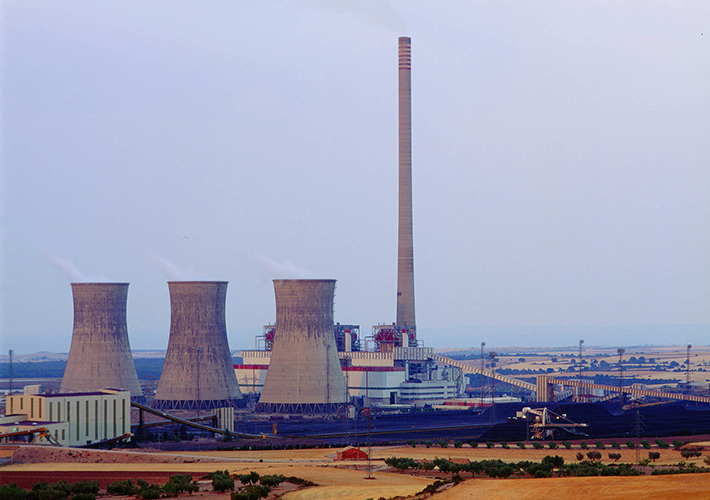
(550, 465)
(254, 487)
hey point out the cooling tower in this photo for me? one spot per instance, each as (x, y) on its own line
(198, 372)
(304, 373)
(100, 354)
(405, 253)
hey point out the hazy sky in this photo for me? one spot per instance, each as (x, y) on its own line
(561, 160)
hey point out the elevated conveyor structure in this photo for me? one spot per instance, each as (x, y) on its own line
(544, 396)
(486, 373)
(187, 423)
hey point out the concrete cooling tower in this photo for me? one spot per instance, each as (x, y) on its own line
(304, 373)
(198, 372)
(100, 355)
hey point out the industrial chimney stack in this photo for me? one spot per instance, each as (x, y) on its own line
(100, 354)
(198, 372)
(405, 255)
(304, 373)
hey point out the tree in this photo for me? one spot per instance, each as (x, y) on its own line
(654, 455)
(594, 455)
(251, 478)
(614, 456)
(222, 481)
(554, 462)
(179, 483)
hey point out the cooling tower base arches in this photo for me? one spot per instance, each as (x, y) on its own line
(298, 407)
(191, 404)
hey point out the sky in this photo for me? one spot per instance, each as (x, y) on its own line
(560, 164)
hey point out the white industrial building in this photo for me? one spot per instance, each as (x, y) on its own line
(74, 419)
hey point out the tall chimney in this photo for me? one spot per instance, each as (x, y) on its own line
(405, 254)
(100, 354)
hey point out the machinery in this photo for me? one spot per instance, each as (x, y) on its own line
(544, 422)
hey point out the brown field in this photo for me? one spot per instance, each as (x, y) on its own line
(699, 360)
(346, 480)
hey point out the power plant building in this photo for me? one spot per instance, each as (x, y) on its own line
(100, 353)
(74, 419)
(198, 372)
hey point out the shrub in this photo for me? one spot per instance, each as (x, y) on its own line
(90, 487)
(490, 444)
(599, 445)
(552, 445)
(299, 481)
(554, 462)
(122, 488)
(222, 481)
(253, 492)
(427, 443)
(83, 496)
(504, 445)
(443, 443)
(458, 444)
(583, 445)
(412, 443)
(251, 478)
(180, 483)
(677, 443)
(690, 453)
(12, 492)
(521, 445)
(630, 445)
(537, 445)
(580, 456)
(149, 491)
(567, 444)
(473, 444)
(645, 444)
(662, 444)
(615, 445)
(272, 481)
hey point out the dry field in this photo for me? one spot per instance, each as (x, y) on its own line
(699, 359)
(346, 480)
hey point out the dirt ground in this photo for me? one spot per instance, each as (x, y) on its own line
(347, 480)
(678, 487)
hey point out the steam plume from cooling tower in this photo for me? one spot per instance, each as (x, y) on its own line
(281, 270)
(171, 271)
(70, 270)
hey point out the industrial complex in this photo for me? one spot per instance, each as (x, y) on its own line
(304, 363)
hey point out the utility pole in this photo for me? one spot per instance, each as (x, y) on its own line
(199, 402)
(687, 370)
(11, 352)
(638, 423)
(483, 366)
(579, 365)
(493, 355)
(620, 351)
